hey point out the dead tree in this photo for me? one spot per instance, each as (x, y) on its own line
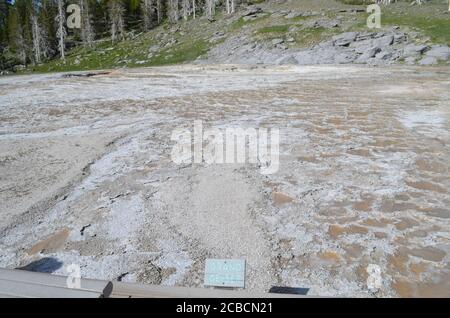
(36, 33)
(159, 12)
(185, 7)
(230, 6)
(210, 9)
(117, 25)
(173, 12)
(147, 9)
(87, 30)
(61, 30)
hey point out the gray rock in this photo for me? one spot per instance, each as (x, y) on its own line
(19, 67)
(154, 48)
(277, 41)
(293, 15)
(289, 60)
(400, 38)
(345, 57)
(410, 60)
(326, 45)
(440, 52)
(252, 11)
(372, 51)
(428, 60)
(365, 36)
(323, 23)
(362, 46)
(385, 55)
(250, 17)
(384, 41)
(344, 39)
(414, 50)
(364, 59)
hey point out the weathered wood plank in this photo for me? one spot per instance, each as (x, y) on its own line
(98, 286)
(28, 290)
(121, 289)
(8, 296)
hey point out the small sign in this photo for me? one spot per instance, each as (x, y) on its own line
(225, 273)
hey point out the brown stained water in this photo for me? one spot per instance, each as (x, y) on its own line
(363, 177)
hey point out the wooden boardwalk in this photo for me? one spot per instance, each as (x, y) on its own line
(23, 284)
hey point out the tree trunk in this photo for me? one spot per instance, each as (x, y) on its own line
(36, 33)
(61, 31)
(87, 30)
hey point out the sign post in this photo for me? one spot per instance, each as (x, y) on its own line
(225, 273)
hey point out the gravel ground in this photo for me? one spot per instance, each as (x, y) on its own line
(87, 177)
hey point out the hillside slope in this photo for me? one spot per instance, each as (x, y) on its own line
(279, 32)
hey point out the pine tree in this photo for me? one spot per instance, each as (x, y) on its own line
(3, 21)
(15, 36)
(25, 10)
(47, 16)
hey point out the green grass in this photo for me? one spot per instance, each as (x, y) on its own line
(241, 22)
(428, 20)
(312, 36)
(185, 52)
(356, 2)
(129, 53)
(438, 29)
(274, 29)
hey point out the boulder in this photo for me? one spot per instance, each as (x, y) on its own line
(345, 57)
(293, 15)
(372, 51)
(277, 41)
(414, 50)
(252, 11)
(384, 41)
(365, 36)
(428, 60)
(386, 55)
(290, 60)
(400, 38)
(410, 60)
(154, 48)
(344, 39)
(362, 46)
(440, 52)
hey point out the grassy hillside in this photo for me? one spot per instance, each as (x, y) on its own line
(188, 40)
